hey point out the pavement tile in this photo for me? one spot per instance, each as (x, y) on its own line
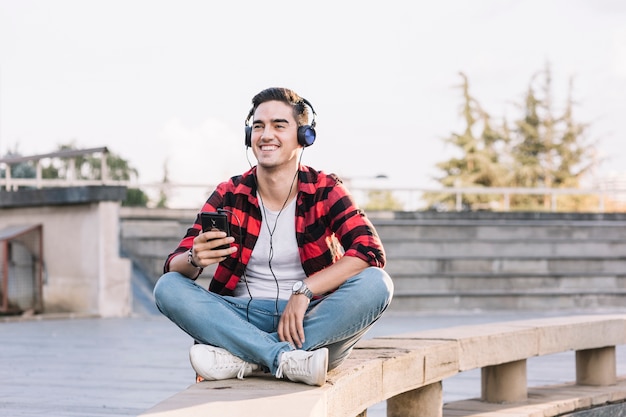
(69, 366)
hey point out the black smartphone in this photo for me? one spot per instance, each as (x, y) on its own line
(215, 221)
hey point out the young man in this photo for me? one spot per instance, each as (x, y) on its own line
(301, 280)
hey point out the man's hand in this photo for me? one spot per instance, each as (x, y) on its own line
(290, 328)
(203, 251)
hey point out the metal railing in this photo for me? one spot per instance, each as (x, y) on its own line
(10, 183)
(410, 198)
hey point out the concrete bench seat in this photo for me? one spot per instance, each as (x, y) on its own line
(545, 401)
(407, 371)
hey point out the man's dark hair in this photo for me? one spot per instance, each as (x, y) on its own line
(287, 96)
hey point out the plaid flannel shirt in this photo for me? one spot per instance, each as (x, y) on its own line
(329, 225)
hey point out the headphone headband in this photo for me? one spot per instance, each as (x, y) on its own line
(308, 103)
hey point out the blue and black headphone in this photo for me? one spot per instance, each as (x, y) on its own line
(306, 133)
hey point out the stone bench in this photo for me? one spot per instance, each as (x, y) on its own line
(407, 371)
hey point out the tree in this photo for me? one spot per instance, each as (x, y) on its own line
(89, 167)
(382, 200)
(20, 170)
(135, 198)
(118, 169)
(478, 163)
(542, 148)
(86, 167)
(549, 149)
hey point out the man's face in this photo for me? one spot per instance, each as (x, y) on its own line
(274, 135)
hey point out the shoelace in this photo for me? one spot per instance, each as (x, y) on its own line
(242, 370)
(229, 363)
(292, 365)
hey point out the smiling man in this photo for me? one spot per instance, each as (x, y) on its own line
(301, 280)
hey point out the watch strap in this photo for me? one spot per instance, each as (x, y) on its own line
(304, 290)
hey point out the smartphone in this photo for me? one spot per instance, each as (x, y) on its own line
(215, 221)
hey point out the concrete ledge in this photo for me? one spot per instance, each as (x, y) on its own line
(407, 370)
(373, 373)
(261, 395)
(546, 401)
(494, 344)
(61, 196)
(502, 215)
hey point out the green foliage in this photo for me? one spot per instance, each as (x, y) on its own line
(50, 172)
(89, 167)
(83, 167)
(135, 198)
(382, 200)
(550, 149)
(20, 170)
(542, 148)
(479, 149)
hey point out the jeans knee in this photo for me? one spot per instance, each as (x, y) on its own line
(381, 282)
(165, 288)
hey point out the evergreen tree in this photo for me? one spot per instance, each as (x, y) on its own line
(544, 148)
(550, 149)
(527, 150)
(478, 163)
(382, 200)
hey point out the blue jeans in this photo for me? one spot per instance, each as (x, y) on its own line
(247, 328)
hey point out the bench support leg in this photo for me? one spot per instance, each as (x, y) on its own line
(596, 366)
(505, 383)
(426, 401)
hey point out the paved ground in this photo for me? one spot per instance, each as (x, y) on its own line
(121, 367)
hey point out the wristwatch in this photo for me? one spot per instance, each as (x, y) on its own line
(300, 288)
(190, 259)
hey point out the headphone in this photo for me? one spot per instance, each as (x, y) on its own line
(306, 133)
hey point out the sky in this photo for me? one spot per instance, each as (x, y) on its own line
(169, 83)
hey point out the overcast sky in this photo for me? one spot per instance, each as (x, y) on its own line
(170, 82)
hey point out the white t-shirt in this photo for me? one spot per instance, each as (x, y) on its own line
(275, 264)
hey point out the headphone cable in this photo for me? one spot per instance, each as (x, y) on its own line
(271, 232)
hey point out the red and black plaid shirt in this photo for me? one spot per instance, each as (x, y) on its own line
(328, 225)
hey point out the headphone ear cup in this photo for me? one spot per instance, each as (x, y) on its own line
(306, 135)
(248, 136)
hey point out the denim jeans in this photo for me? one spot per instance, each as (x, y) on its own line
(247, 328)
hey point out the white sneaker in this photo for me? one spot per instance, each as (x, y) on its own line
(304, 366)
(213, 363)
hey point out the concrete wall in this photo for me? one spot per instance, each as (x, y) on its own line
(438, 260)
(452, 261)
(83, 270)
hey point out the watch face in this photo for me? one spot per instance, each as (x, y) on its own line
(297, 286)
